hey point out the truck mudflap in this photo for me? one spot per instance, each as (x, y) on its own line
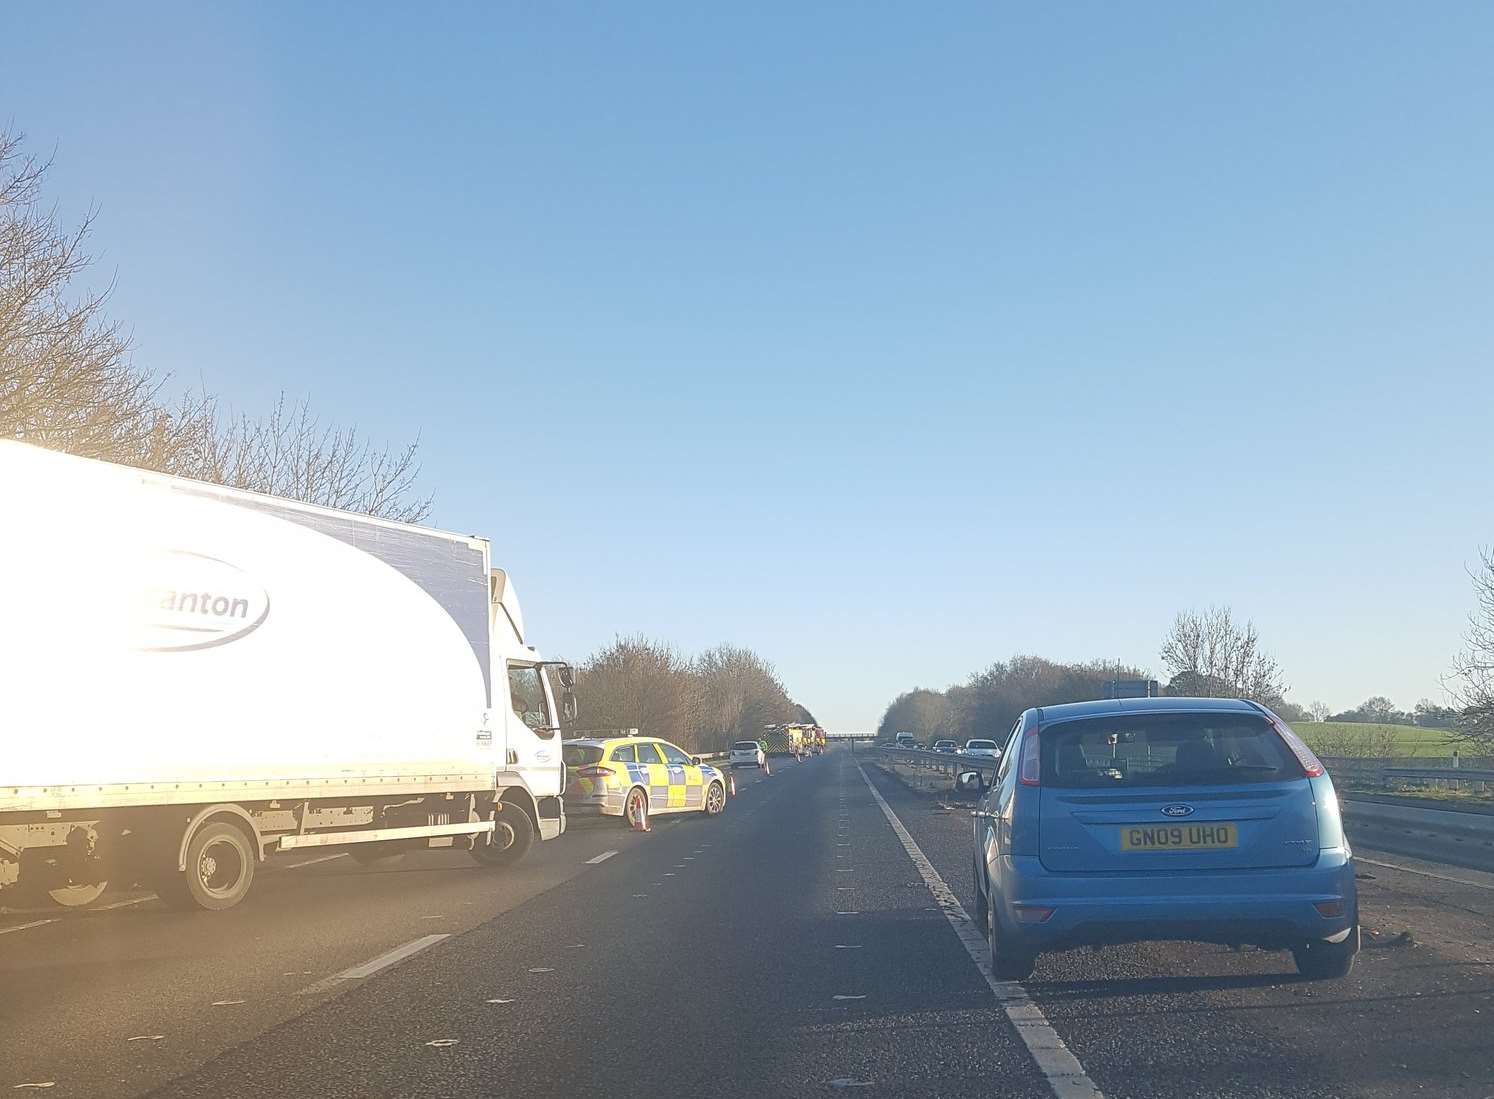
(551, 817)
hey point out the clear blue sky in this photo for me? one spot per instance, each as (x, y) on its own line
(889, 340)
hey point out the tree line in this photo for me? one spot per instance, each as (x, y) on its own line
(701, 703)
(69, 381)
(1208, 654)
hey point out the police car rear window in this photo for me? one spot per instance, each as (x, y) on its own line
(579, 755)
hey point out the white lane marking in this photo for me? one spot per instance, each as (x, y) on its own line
(1391, 866)
(541, 969)
(847, 912)
(373, 965)
(24, 926)
(43, 1084)
(121, 904)
(845, 869)
(226, 1003)
(1062, 1070)
(847, 946)
(442, 1043)
(146, 1038)
(313, 862)
(603, 857)
(497, 1001)
(849, 997)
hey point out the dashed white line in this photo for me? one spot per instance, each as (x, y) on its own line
(122, 904)
(373, 965)
(603, 857)
(313, 862)
(25, 926)
(1062, 1070)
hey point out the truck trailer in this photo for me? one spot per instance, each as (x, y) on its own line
(196, 678)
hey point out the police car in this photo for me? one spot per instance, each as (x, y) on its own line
(634, 777)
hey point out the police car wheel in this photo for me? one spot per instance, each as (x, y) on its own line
(715, 799)
(635, 809)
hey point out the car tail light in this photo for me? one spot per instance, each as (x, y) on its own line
(1031, 772)
(1312, 766)
(1329, 909)
(595, 772)
(1032, 913)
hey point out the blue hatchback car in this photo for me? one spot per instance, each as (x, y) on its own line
(1162, 819)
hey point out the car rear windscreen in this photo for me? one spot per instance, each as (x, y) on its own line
(745, 746)
(579, 755)
(980, 744)
(1164, 750)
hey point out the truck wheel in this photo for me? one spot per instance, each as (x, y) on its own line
(220, 869)
(512, 823)
(715, 799)
(67, 895)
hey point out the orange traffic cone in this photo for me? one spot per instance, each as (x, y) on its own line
(731, 784)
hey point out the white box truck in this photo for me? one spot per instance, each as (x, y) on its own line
(193, 678)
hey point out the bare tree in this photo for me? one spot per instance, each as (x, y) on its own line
(292, 453)
(1210, 655)
(66, 378)
(737, 693)
(67, 382)
(1470, 683)
(637, 683)
(1318, 710)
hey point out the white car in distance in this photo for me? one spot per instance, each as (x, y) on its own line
(746, 753)
(981, 748)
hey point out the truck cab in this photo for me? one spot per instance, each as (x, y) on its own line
(526, 721)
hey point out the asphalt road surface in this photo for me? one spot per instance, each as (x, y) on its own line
(811, 941)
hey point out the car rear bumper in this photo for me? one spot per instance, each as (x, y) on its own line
(608, 803)
(1260, 907)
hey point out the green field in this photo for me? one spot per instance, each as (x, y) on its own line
(1333, 738)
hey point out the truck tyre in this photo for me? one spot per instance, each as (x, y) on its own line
(220, 869)
(511, 821)
(715, 799)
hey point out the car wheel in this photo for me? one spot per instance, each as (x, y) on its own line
(982, 906)
(635, 810)
(1320, 961)
(715, 799)
(1006, 965)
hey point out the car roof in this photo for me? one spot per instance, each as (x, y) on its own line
(1113, 707)
(609, 741)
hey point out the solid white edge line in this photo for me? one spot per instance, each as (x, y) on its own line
(603, 857)
(374, 965)
(1423, 873)
(1062, 1070)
